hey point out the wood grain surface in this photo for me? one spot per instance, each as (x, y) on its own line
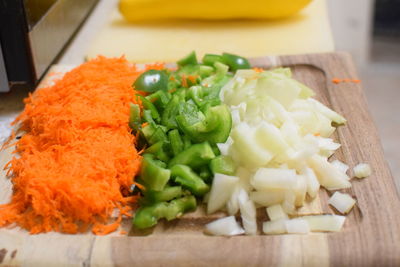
(370, 237)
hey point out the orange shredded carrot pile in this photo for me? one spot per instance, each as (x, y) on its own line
(77, 159)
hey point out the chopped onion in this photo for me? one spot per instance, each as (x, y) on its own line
(271, 178)
(340, 165)
(225, 226)
(276, 212)
(297, 226)
(362, 170)
(274, 227)
(324, 223)
(342, 202)
(221, 190)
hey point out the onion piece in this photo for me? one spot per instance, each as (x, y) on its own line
(227, 226)
(276, 212)
(221, 190)
(325, 223)
(342, 202)
(274, 227)
(297, 226)
(362, 170)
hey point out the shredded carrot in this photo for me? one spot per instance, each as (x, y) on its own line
(346, 80)
(258, 70)
(156, 66)
(122, 232)
(172, 90)
(192, 78)
(184, 81)
(172, 78)
(77, 155)
(317, 134)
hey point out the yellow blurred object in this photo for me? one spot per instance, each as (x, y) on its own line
(139, 10)
(169, 40)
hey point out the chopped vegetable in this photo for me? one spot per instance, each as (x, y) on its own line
(275, 212)
(297, 226)
(342, 202)
(221, 189)
(151, 81)
(148, 216)
(362, 170)
(77, 158)
(274, 227)
(225, 226)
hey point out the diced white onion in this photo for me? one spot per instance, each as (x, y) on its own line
(342, 202)
(340, 165)
(221, 190)
(297, 226)
(227, 226)
(276, 212)
(324, 223)
(362, 170)
(274, 227)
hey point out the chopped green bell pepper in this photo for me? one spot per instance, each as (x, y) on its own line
(148, 216)
(134, 116)
(169, 193)
(148, 105)
(175, 141)
(235, 62)
(223, 164)
(190, 59)
(151, 81)
(189, 179)
(152, 174)
(215, 127)
(195, 156)
(210, 59)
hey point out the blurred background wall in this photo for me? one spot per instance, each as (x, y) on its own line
(370, 31)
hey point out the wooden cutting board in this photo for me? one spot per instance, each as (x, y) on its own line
(371, 234)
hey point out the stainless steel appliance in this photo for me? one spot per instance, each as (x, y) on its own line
(32, 35)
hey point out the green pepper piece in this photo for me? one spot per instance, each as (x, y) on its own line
(235, 62)
(151, 81)
(153, 176)
(170, 112)
(158, 151)
(215, 127)
(189, 179)
(223, 164)
(159, 99)
(189, 59)
(205, 174)
(147, 116)
(210, 59)
(149, 130)
(175, 141)
(158, 136)
(169, 193)
(148, 216)
(148, 105)
(186, 142)
(195, 156)
(205, 71)
(177, 207)
(134, 116)
(196, 94)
